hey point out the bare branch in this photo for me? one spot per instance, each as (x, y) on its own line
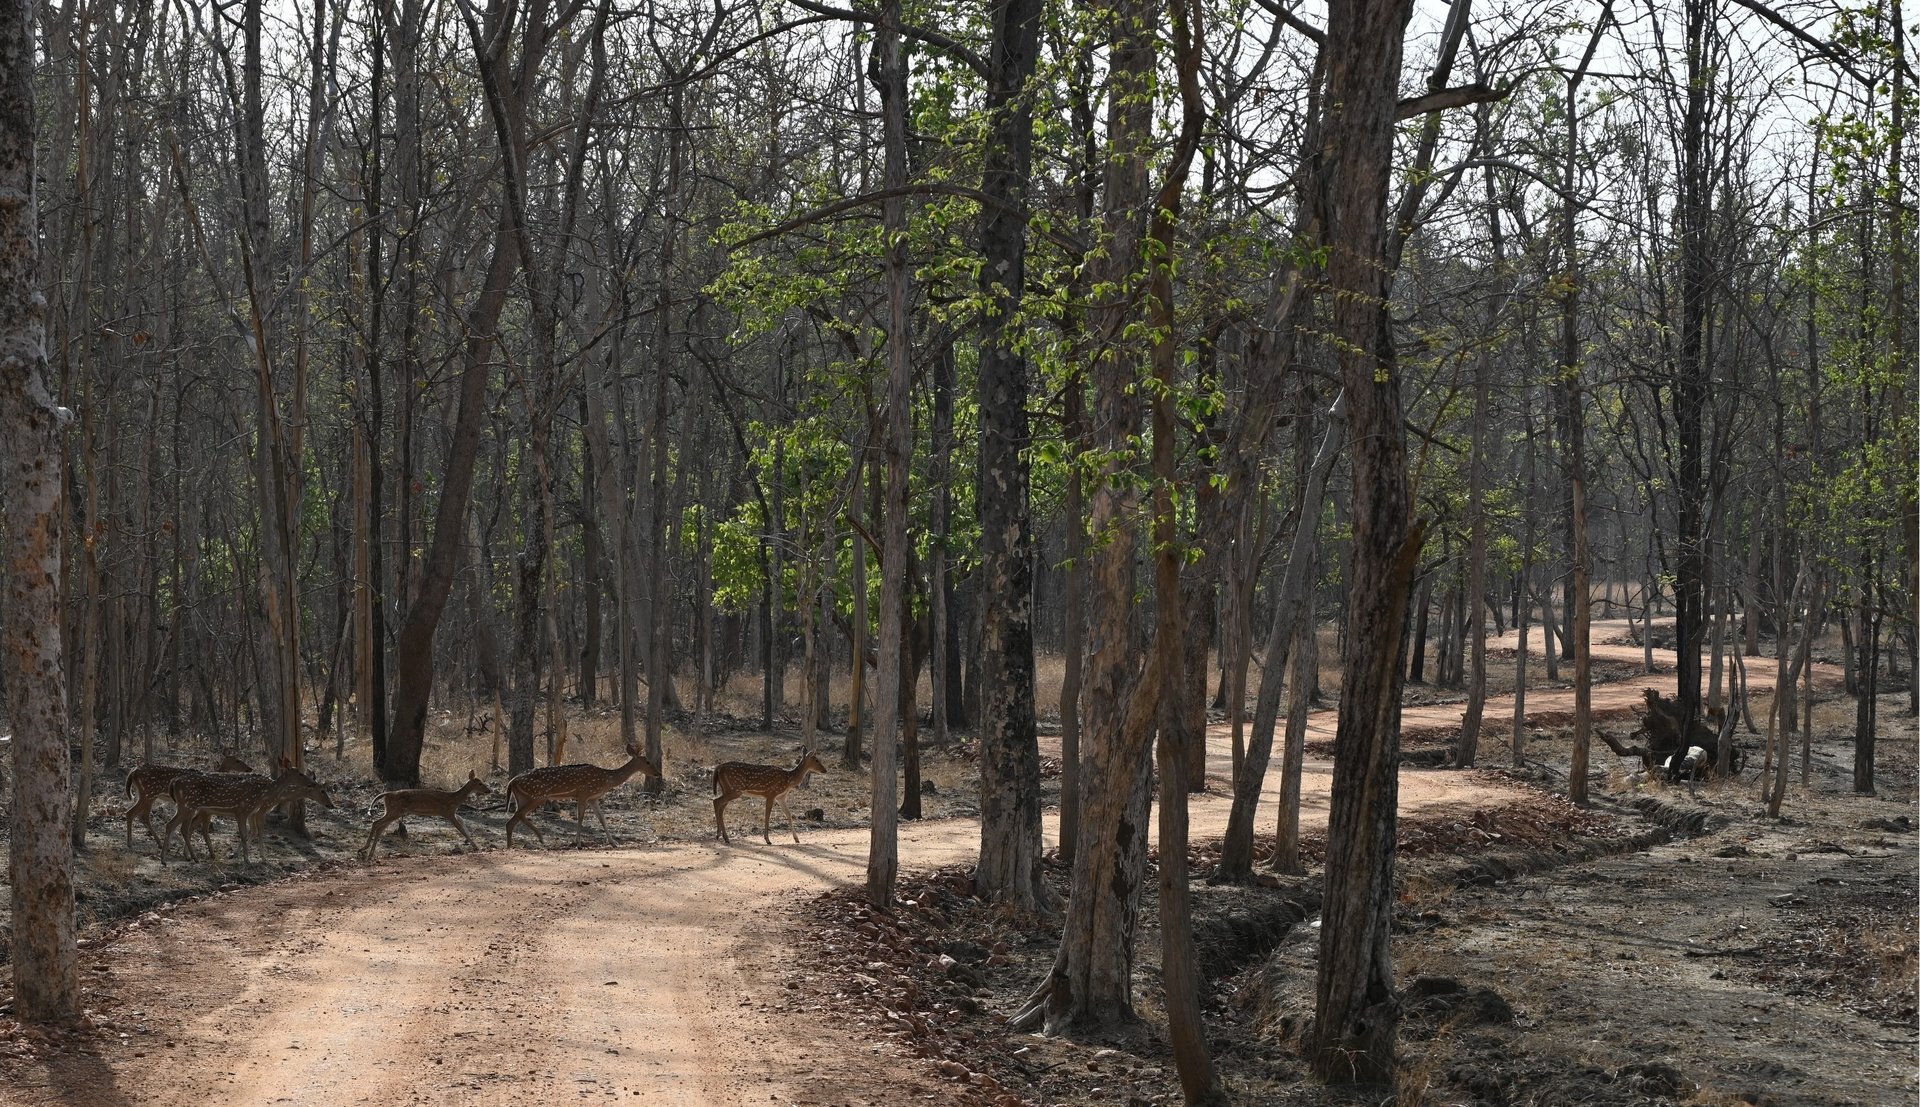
(951, 47)
(1459, 96)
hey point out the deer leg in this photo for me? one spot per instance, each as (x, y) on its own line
(601, 813)
(204, 822)
(455, 820)
(373, 838)
(580, 820)
(766, 825)
(794, 830)
(167, 833)
(140, 810)
(520, 816)
(720, 817)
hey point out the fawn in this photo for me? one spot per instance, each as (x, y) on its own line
(151, 781)
(245, 796)
(737, 778)
(584, 784)
(425, 801)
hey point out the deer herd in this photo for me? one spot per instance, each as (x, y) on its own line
(234, 790)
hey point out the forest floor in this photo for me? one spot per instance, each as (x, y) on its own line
(1757, 956)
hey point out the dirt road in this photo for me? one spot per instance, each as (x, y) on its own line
(530, 976)
(501, 978)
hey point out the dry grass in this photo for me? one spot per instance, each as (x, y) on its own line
(1422, 891)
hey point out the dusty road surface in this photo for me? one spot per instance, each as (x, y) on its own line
(504, 978)
(540, 977)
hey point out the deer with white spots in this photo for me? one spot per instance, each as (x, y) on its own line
(247, 797)
(737, 778)
(583, 784)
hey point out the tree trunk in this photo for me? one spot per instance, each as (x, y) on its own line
(46, 982)
(1570, 375)
(1468, 751)
(1867, 682)
(1417, 664)
(1237, 637)
(883, 851)
(774, 691)
(1010, 847)
(1183, 685)
(1089, 988)
(940, 671)
(530, 570)
(1074, 628)
(1356, 1011)
(1289, 622)
(1305, 663)
(486, 646)
(1816, 617)
(591, 588)
(1074, 431)
(414, 654)
(1199, 588)
(857, 699)
(659, 606)
(909, 709)
(96, 583)
(1691, 373)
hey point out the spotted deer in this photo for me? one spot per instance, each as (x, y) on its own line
(737, 778)
(151, 781)
(583, 784)
(247, 797)
(435, 802)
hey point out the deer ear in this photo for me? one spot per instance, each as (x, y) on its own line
(471, 775)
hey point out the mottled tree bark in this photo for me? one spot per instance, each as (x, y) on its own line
(1090, 987)
(46, 982)
(1009, 866)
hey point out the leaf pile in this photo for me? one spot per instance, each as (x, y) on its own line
(892, 974)
(1860, 953)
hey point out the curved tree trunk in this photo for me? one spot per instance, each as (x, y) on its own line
(414, 654)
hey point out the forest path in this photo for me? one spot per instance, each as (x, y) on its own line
(519, 977)
(1546, 706)
(515, 977)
